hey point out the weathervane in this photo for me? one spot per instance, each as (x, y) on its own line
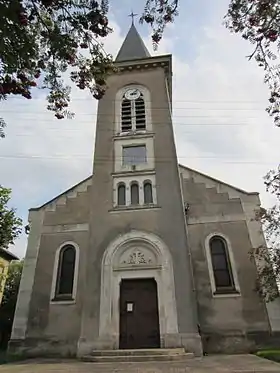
(132, 15)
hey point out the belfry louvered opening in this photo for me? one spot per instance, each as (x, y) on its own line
(140, 115)
(126, 115)
(133, 114)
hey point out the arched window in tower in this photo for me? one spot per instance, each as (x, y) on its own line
(121, 195)
(66, 272)
(148, 192)
(134, 193)
(133, 111)
(221, 265)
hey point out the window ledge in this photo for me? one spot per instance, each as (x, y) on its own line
(136, 172)
(134, 208)
(63, 300)
(226, 294)
(131, 135)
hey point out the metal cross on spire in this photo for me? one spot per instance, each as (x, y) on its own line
(132, 15)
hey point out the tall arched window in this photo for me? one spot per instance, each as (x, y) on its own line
(148, 192)
(65, 272)
(121, 195)
(134, 192)
(133, 111)
(221, 265)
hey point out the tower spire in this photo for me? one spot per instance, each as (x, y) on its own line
(133, 47)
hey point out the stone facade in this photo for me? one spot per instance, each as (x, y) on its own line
(166, 239)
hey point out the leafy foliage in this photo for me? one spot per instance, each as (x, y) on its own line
(258, 21)
(10, 224)
(269, 258)
(8, 304)
(43, 38)
(2, 126)
(159, 13)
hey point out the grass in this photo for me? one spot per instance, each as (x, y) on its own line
(6, 358)
(273, 355)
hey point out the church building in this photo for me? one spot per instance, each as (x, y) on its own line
(145, 253)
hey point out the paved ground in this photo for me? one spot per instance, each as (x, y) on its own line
(210, 364)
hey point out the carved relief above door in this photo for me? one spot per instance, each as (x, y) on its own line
(136, 256)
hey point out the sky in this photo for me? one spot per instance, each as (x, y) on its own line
(219, 100)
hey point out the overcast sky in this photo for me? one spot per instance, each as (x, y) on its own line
(219, 101)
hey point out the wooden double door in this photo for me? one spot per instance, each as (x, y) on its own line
(139, 319)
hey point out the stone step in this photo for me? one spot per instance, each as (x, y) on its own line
(139, 352)
(136, 358)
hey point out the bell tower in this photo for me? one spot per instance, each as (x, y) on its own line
(137, 221)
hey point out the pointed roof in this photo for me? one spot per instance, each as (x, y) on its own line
(133, 46)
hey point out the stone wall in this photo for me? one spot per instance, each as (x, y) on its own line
(229, 322)
(43, 326)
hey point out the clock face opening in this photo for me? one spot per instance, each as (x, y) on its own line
(132, 94)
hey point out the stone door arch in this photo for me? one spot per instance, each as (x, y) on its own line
(136, 255)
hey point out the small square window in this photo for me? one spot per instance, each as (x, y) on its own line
(134, 155)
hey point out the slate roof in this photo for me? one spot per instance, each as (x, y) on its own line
(133, 47)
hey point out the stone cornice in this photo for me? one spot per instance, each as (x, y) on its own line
(156, 61)
(164, 62)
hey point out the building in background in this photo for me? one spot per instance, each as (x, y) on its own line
(145, 253)
(5, 258)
